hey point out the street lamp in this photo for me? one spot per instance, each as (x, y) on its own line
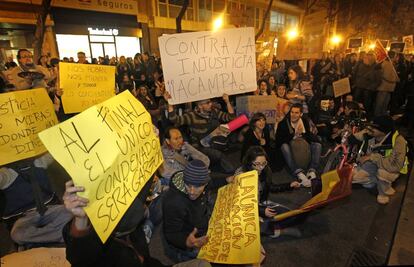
(336, 39)
(218, 23)
(371, 46)
(292, 34)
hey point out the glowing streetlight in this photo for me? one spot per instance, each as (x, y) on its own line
(336, 39)
(218, 23)
(371, 46)
(292, 34)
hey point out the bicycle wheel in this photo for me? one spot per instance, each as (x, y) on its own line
(333, 161)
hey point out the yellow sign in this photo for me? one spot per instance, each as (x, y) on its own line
(128, 7)
(234, 230)
(23, 114)
(85, 85)
(110, 149)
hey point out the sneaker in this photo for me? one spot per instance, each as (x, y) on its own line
(311, 175)
(390, 191)
(304, 181)
(383, 199)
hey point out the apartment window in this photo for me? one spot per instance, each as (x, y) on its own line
(204, 11)
(257, 17)
(277, 21)
(171, 9)
(292, 21)
(219, 5)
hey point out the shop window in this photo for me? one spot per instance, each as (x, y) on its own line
(219, 6)
(97, 50)
(204, 10)
(127, 46)
(162, 10)
(101, 38)
(277, 21)
(174, 10)
(69, 45)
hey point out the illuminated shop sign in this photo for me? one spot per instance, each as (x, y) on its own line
(97, 31)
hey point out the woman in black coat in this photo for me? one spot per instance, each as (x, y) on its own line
(257, 134)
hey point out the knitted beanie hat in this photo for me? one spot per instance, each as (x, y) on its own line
(196, 173)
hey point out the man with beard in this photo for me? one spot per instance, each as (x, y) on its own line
(27, 75)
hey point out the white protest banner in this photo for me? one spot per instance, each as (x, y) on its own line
(341, 87)
(202, 65)
(271, 106)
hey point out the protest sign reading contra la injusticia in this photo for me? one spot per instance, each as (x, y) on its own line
(202, 65)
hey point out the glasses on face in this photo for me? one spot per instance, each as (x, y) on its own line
(26, 56)
(259, 164)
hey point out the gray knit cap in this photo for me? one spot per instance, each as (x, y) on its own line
(196, 173)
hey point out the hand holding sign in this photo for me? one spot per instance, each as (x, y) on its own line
(194, 242)
(75, 204)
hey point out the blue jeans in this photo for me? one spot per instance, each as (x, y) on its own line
(316, 149)
(33, 228)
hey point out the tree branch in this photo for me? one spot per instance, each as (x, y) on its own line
(266, 15)
(180, 16)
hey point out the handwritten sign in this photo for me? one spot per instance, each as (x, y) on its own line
(234, 231)
(397, 47)
(307, 47)
(110, 149)
(23, 114)
(271, 106)
(202, 65)
(37, 257)
(354, 43)
(85, 85)
(341, 87)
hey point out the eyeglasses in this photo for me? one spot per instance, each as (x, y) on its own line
(28, 56)
(259, 164)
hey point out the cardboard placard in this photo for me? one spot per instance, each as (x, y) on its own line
(23, 114)
(397, 47)
(354, 43)
(202, 65)
(36, 257)
(234, 230)
(271, 106)
(110, 149)
(341, 87)
(85, 85)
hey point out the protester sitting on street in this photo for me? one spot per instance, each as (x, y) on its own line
(385, 158)
(271, 85)
(257, 134)
(201, 122)
(27, 75)
(323, 119)
(300, 89)
(148, 101)
(256, 159)
(177, 154)
(263, 87)
(29, 199)
(295, 128)
(281, 91)
(186, 210)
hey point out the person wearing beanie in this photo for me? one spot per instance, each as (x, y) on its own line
(385, 158)
(186, 210)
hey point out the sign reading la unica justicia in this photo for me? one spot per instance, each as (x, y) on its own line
(128, 7)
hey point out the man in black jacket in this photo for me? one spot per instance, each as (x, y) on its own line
(186, 211)
(292, 128)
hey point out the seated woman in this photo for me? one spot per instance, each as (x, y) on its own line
(256, 159)
(144, 96)
(257, 134)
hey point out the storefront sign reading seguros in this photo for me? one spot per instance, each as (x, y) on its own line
(98, 31)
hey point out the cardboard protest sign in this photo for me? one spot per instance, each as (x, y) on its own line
(354, 42)
(379, 52)
(234, 230)
(397, 47)
(408, 40)
(85, 85)
(110, 149)
(23, 114)
(271, 106)
(37, 257)
(341, 87)
(202, 65)
(308, 47)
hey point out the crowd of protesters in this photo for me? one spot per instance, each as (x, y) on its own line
(313, 120)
